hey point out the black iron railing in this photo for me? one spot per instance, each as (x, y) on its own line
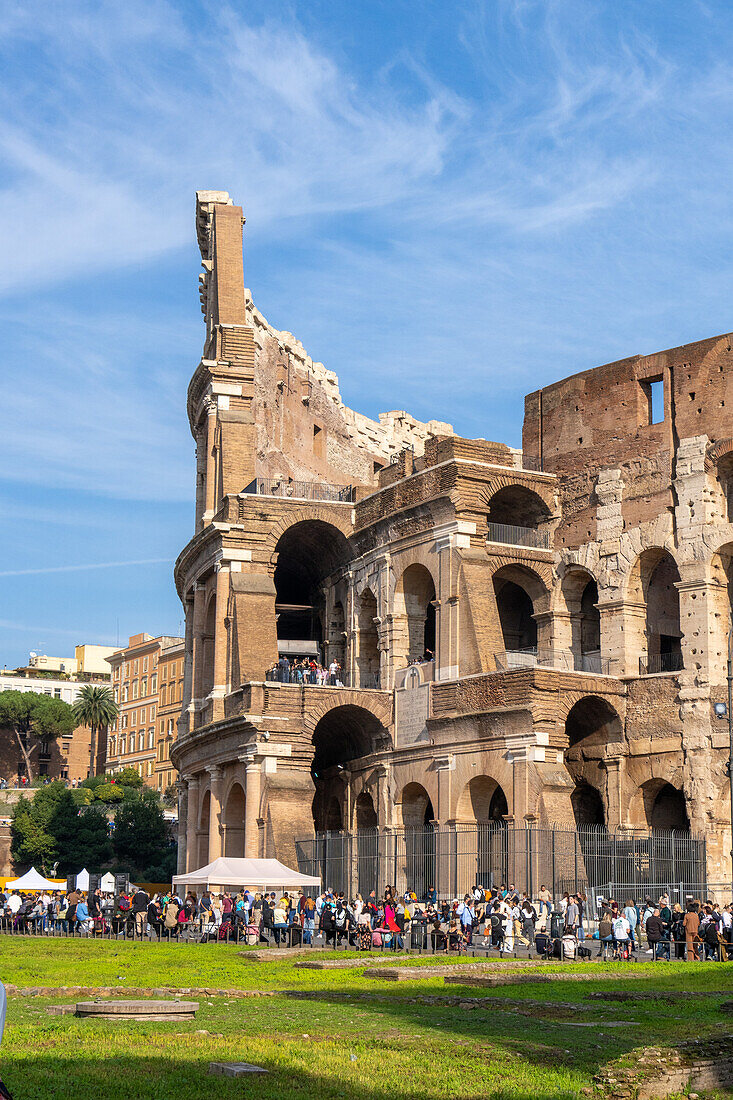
(660, 662)
(507, 534)
(300, 490)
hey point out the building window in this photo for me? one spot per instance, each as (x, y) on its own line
(145, 664)
(124, 721)
(153, 683)
(124, 693)
(152, 713)
(134, 689)
(57, 693)
(143, 687)
(151, 738)
(150, 767)
(142, 716)
(117, 695)
(136, 668)
(123, 746)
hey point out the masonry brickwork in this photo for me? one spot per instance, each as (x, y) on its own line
(569, 602)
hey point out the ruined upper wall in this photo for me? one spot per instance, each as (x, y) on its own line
(305, 431)
(600, 419)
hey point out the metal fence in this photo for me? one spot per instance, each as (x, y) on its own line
(511, 535)
(660, 662)
(300, 490)
(565, 659)
(452, 859)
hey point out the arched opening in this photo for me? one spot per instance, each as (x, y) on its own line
(520, 598)
(482, 801)
(481, 816)
(580, 595)
(417, 807)
(587, 805)
(366, 815)
(307, 553)
(418, 816)
(203, 831)
(368, 847)
(653, 585)
(233, 823)
(367, 654)
(518, 516)
(414, 615)
(725, 479)
(207, 664)
(665, 807)
(592, 722)
(343, 734)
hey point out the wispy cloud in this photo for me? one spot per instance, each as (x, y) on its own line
(86, 568)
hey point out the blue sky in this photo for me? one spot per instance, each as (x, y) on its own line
(451, 204)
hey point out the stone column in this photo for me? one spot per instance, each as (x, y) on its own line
(615, 769)
(221, 641)
(197, 672)
(252, 791)
(192, 812)
(215, 840)
(182, 825)
(210, 498)
(184, 719)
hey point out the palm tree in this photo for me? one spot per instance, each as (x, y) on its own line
(95, 707)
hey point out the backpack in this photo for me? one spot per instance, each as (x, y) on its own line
(376, 939)
(224, 929)
(569, 947)
(124, 905)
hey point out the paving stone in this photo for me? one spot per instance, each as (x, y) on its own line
(234, 1069)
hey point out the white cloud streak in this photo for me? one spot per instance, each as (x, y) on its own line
(83, 568)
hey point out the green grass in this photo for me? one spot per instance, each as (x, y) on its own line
(344, 1036)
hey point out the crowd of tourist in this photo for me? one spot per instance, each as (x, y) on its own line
(501, 920)
(305, 670)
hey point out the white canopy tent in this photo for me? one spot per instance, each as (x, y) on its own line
(31, 880)
(82, 880)
(256, 874)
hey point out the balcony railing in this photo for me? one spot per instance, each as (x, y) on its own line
(509, 535)
(300, 490)
(660, 662)
(563, 661)
(321, 677)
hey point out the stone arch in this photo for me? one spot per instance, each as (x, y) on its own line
(544, 493)
(578, 625)
(653, 611)
(587, 803)
(665, 806)
(232, 820)
(482, 801)
(517, 505)
(377, 704)
(416, 806)
(343, 734)
(305, 554)
(338, 517)
(413, 613)
(365, 815)
(522, 605)
(203, 829)
(593, 732)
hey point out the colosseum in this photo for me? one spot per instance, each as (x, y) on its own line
(529, 645)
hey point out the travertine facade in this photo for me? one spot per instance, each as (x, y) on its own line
(576, 597)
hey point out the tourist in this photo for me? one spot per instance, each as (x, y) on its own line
(621, 936)
(691, 925)
(632, 916)
(140, 902)
(657, 936)
(572, 915)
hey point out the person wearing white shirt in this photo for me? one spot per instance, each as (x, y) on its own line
(14, 902)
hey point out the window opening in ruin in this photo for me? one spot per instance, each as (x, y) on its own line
(654, 392)
(367, 654)
(414, 615)
(666, 808)
(344, 734)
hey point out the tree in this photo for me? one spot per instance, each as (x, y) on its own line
(34, 718)
(96, 708)
(32, 839)
(82, 836)
(141, 837)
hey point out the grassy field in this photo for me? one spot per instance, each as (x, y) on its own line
(344, 1036)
